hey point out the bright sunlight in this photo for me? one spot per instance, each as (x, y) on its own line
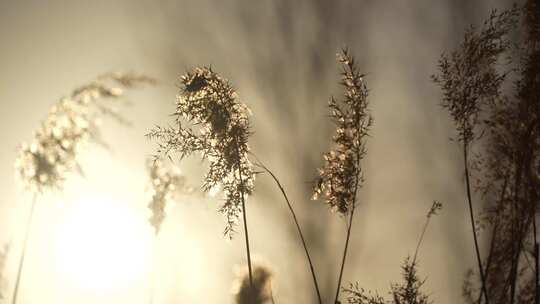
(101, 245)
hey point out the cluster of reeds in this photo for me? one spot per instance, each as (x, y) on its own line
(498, 132)
(501, 123)
(210, 120)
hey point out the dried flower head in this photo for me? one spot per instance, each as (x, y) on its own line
(409, 291)
(218, 128)
(261, 290)
(468, 76)
(71, 123)
(358, 295)
(166, 183)
(341, 175)
(435, 208)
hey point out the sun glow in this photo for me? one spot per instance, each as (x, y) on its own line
(102, 245)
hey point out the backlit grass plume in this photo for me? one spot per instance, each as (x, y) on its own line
(166, 182)
(259, 292)
(342, 174)
(210, 120)
(43, 164)
(53, 153)
(218, 128)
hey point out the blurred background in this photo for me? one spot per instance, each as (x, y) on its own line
(92, 243)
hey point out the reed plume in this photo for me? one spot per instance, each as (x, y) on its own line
(210, 120)
(166, 184)
(341, 176)
(44, 164)
(258, 292)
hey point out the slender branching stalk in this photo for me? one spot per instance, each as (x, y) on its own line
(342, 175)
(345, 250)
(211, 120)
(473, 223)
(300, 234)
(435, 207)
(244, 215)
(23, 253)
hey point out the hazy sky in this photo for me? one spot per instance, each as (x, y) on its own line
(280, 55)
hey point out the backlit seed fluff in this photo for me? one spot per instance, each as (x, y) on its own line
(341, 174)
(211, 121)
(166, 184)
(71, 123)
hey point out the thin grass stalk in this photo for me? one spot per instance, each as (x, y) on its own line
(23, 254)
(312, 269)
(344, 254)
(244, 216)
(348, 236)
(420, 240)
(493, 237)
(473, 224)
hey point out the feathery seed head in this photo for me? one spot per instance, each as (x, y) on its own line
(70, 124)
(210, 120)
(166, 183)
(341, 175)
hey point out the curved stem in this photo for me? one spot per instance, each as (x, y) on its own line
(473, 224)
(260, 164)
(25, 245)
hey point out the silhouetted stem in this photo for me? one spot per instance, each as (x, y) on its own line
(244, 216)
(420, 240)
(25, 244)
(473, 224)
(344, 253)
(260, 164)
(348, 234)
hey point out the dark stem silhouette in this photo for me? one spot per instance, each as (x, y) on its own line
(312, 269)
(349, 227)
(244, 215)
(473, 224)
